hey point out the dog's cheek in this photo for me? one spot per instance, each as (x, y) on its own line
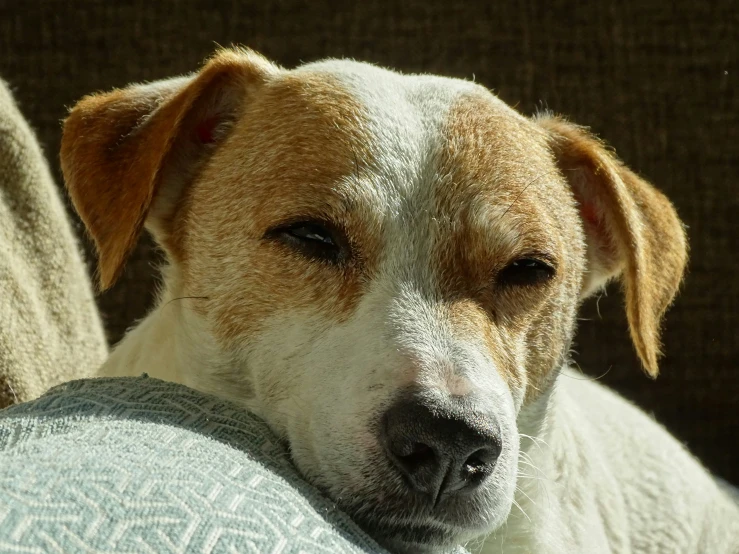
(543, 338)
(292, 370)
(321, 383)
(285, 366)
(547, 343)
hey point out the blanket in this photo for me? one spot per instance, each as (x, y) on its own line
(50, 330)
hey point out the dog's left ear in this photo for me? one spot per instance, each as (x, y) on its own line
(128, 155)
(632, 231)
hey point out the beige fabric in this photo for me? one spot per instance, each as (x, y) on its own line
(50, 329)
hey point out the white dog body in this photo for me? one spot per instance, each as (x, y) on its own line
(602, 476)
(387, 270)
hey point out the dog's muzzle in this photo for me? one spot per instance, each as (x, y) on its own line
(442, 448)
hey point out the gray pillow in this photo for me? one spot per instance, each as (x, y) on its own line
(140, 465)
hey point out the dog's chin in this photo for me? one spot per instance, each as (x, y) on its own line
(411, 527)
(414, 538)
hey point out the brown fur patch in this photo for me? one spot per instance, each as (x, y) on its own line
(507, 200)
(292, 156)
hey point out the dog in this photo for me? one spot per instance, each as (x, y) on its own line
(387, 269)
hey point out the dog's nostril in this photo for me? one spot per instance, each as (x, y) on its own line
(420, 454)
(473, 465)
(480, 463)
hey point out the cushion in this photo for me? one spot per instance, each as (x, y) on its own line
(141, 465)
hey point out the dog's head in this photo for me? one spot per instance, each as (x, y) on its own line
(386, 268)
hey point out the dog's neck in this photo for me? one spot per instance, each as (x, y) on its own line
(160, 345)
(150, 348)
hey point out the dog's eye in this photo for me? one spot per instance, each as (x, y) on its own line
(313, 240)
(526, 272)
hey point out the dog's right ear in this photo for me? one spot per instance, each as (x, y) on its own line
(632, 231)
(126, 155)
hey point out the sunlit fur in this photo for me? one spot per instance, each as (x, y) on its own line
(437, 186)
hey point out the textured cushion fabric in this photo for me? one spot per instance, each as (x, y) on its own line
(50, 330)
(140, 465)
(656, 79)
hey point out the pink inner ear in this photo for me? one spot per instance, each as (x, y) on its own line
(597, 227)
(590, 214)
(206, 130)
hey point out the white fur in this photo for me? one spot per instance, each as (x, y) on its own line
(602, 476)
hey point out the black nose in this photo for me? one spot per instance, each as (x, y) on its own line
(440, 449)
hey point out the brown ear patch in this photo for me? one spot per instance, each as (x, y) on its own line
(632, 231)
(115, 146)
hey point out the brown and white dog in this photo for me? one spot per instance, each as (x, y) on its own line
(387, 269)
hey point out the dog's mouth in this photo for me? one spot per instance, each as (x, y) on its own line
(425, 500)
(401, 519)
(410, 524)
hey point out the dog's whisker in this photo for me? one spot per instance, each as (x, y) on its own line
(475, 545)
(523, 190)
(527, 461)
(597, 303)
(535, 440)
(587, 377)
(519, 489)
(179, 298)
(532, 466)
(539, 474)
(526, 456)
(517, 505)
(532, 477)
(12, 391)
(536, 475)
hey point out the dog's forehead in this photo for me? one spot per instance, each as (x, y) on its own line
(437, 145)
(411, 119)
(401, 160)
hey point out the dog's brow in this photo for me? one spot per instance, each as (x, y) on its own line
(525, 188)
(356, 160)
(507, 234)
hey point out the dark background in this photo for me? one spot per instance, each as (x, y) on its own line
(657, 79)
